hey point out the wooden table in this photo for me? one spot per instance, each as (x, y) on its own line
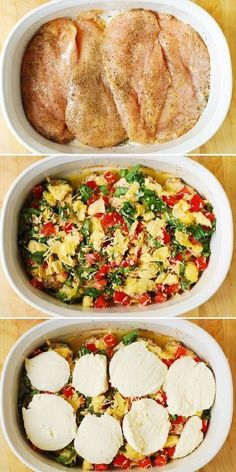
(223, 303)
(223, 331)
(224, 11)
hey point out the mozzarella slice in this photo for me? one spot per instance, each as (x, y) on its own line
(90, 375)
(135, 371)
(190, 438)
(50, 422)
(98, 438)
(48, 371)
(146, 426)
(189, 386)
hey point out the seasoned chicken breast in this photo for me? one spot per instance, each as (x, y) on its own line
(189, 65)
(45, 71)
(91, 113)
(137, 72)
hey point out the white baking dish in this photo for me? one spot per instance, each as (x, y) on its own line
(192, 172)
(185, 10)
(194, 337)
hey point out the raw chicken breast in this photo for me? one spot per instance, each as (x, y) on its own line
(91, 112)
(137, 72)
(45, 71)
(189, 64)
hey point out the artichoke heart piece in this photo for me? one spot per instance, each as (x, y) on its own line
(60, 191)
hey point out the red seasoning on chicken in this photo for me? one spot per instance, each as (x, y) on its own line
(45, 71)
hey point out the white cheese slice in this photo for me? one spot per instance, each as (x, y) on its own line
(189, 386)
(146, 426)
(98, 438)
(50, 422)
(135, 371)
(90, 375)
(48, 371)
(190, 438)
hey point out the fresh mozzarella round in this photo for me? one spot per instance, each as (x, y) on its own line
(189, 386)
(50, 422)
(48, 371)
(98, 438)
(146, 426)
(190, 438)
(135, 371)
(90, 375)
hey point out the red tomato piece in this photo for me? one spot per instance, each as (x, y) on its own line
(37, 192)
(106, 199)
(178, 420)
(197, 359)
(111, 177)
(174, 288)
(110, 340)
(93, 199)
(161, 398)
(68, 227)
(92, 258)
(210, 216)
(184, 191)
(145, 299)
(91, 347)
(197, 203)
(37, 283)
(168, 362)
(145, 463)
(181, 352)
(201, 262)
(100, 284)
(122, 462)
(170, 200)
(34, 204)
(193, 241)
(121, 298)
(103, 271)
(98, 215)
(205, 425)
(161, 297)
(101, 466)
(125, 264)
(68, 392)
(101, 302)
(112, 264)
(170, 451)
(111, 219)
(139, 228)
(92, 184)
(166, 237)
(160, 460)
(48, 229)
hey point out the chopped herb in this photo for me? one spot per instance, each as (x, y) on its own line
(133, 174)
(83, 351)
(128, 212)
(103, 189)
(120, 191)
(38, 256)
(92, 292)
(152, 201)
(130, 338)
(86, 228)
(85, 192)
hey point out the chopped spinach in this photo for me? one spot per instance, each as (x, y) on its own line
(133, 174)
(92, 292)
(130, 338)
(128, 212)
(120, 191)
(152, 201)
(85, 192)
(103, 189)
(38, 256)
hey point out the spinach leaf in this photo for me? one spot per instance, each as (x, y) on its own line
(83, 351)
(38, 256)
(85, 192)
(130, 338)
(103, 189)
(120, 191)
(67, 456)
(26, 391)
(133, 174)
(92, 292)
(86, 228)
(128, 211)
(152, 201)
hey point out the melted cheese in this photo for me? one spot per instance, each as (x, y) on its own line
(48, 371)
(90, 375)
(190, 439)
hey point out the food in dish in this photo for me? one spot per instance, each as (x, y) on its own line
(141, 76)
(113, 427)
(123, 236)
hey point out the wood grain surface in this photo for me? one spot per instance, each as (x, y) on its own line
(224, 12)
(223, 331)
(223, 303)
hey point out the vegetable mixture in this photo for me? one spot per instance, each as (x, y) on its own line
(128, 236)
(112, 402)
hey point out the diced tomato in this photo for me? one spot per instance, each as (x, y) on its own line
(168, 362)
(37, 283)
(201, 262)
(45, 265)
(35, 204)
(110, 352)
(122, 462)
(181, 352)
(64, 274)
(161, 398)
(91, 347)
(160, 460)
(110, 177)
(139, 228)
(166, 237)
(145, 463)
(68, 392)
(102, 272)
(197, 359)
(177, 258)
(101, 302)
(37, 192)
(112, 189)
(160, 288)
(170, 200)
(110, 340)
(92, 258)
(125, 264)
(178, 420)
(100, 284)
(92, 184)
(192, 240)
(101, 466)
(174, 288)
(121, 298)
(205, 425)
(106, 199)
(161, 297)
(111, 219)
(93, 199)
(184, 191)
(68, 227)
(112, 264)
(197, 203)
(210, 216)
(29, 262)
(48, 229)
(170, 451)
(145, 299)
(98, 215)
